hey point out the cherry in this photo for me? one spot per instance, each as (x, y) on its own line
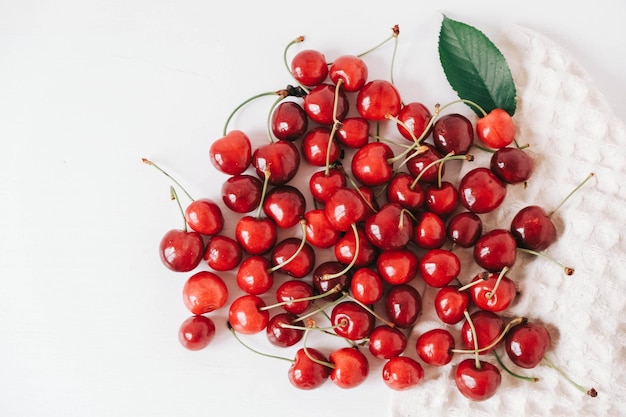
(351, 70)
(390, 228)
(242, 193)
(429, 231)
(345, 207)
(402, 191)
(402, 372)
(289, 121)
(495, 250)
(320, 232)
(304, 260)
(280, 335)
(321, 107)
(256, 235)
(493, 292)
(232, 153)
(309, 67)
(453, 133)
(481, 191)
(281, 159)
(377, 100)
(351, 320)
(464, 229)
(477, 380)
(527, 343)
(488, 327)
(403, 305)
(366, 286)
(223, 253)
(450, 304)
(254, 275)
(285, 205)
(414, 119)
(496, 129)
(317, 147)
(204, 292)
(246, 316)
(292, 290)
(329, 275)
(438, 267)
(323, 183)
(441, 199)
(181, 250)
(307, 371)
(371, 164)
(348, 252)
(424, 164)
(354, 132)
(386, 342)
(196, 332)
(350, 367)
(512, 165)
(435, 347)
(397, 266)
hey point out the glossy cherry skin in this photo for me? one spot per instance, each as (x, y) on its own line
(223, 253)
(181, 250)
(429, 231)
(256, 236)
(315, 147)
(390, 228)
(346, 249)
(488, 325)
(464, 229)
(377, 100)
(351, 321)
(354, 132)
(254, 275)
(290, 291)
(351, 367)
(298, 267)
(323, 183)
(289, 121)
(322, 282)
(402, 372)
(402, 191)
(533, 228)
(453, 133)
(196, 332)
(366, 286)
(280, 158)
(397, 266)
(438, 267)
(495, 250)
(441, 200)
(497, 129)
(403, 305)
(306, 374)
(477, 384)
(414, 118)
(231, 154)
(512, 165)
(281, 336)
(320, 232)
(450, 304)
(319, 104)
(421, 162)
(309, 67)
(370, 164)
(204, 216)
(481, 191)
(526, 344)
(351, 70)
(285, 205)
(386, 342)
(245, 315)
(242, 193)
(344, 208)
(204, 292)
(435, 347)
(483, 294)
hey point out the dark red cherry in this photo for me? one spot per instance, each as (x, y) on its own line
(527, 343)
(223, 253)
(346, 249)
(512, 165)
(366, 286)
(414, 118)
(488, 326)
(245, 314)
(320, 232)
(181, 250)
(306, 373)
(242, 193)
(481, 191)
(496, 129)
(351, 70)
(256, 236)
(254, 275)
(231, 154)
(402, 372)
(403, 305)
(309, 67)
(390, 228)
(397, 266)
(351, 320)
(495, 250)
(289, 121)
(298, 267)
(285, 205)
(319, 104)
(450, 304)
(377, 100)
(196, 332)
(204, 292)
(281, 159)
(464, 229)
(441, 199)
(323, 183)
(403, 190)
(386, 342)
(292, 290)
(429, 231)
(477, 383)
(354, 132)
(492, 292)
(315, 147)
(344, 208)
(438, 267)
(371, 164)
(533, 228)
(330, 275)
(281, 336)
(350, 367)
(453, 133)
(417, 163)
(435, 347)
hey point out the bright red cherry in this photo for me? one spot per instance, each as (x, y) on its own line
(245, 314)
(223, 253)
(351, 320)
(320, 106)
(512, 165)
(371, 164)
(397, 266)
(438, 267)
(414, 118)
(495, 250)
(305, 373)
(350, 367)
(366, 286)
(196, 332)
(493, 292)
(256, 235)
(309, 67)
(344, 208)
(403, 305)
(403, 190)
(441, 199)
(402, 372)
(497, 129)
(435, 347)
(181, 250)
(351, 70)
(242, 193)
(285, 205)
(464, 229)
(323, 183)
(533, 228)
(281, 159)
(386, 342)
(204, 216)
(289, 121)
(231, 154)
(315, 147)
(254, 275)
(282, 336)
(390, 228)
(298, 267)
(527, 343)
(292, 290)
(450, 304)
(481, 191)
(204, 292)
(488, 325)
(429, 231)
(453, 133)
(320, 232)
(377, 100)
(477, 383)
(354, 132)
(346, 249)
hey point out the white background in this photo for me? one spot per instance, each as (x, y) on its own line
(88, 315)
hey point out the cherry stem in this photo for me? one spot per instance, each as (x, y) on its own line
(448, 157)
(336, 124)
(590, 392)
(484, 276)
(358, 190)
(234, 333)
(299, 39)
(315, 327)
(473, 329)
(568, 270)
(572, 193)
(510, 372)
(296, 253)
(490, 294)
(270, 135)
(357, 249)
(266, 179)
(149, 162)
(372, 312)
(408, 213)
(332, 291)
(306, 350)
(174, 196)
(281, 93)
(494, 343)
(396, 32)
(324, 308)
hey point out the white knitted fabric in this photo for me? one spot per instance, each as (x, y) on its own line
(572, 132)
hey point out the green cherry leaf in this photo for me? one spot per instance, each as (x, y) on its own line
(475, 68)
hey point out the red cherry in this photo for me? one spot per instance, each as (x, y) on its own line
(453, 133)
(256, 235)
(450, 304)
(386, 342)
(397, 266)
(429, 231)
(254, 275)
(495, 292)
(366, 286)
(533, 228)
(204, 216)
(402, 372)
(351, 321)
(292, 290)
(196, 332)
(488, 326)
(346, 249)
(495, 250)
(309, 67)
(390, 228)
(181, 250)
(285, 205)
(281, 336)
(527, 343)
(497, 129)
(477, 383)
(298, 267)
(344, 208)
(403, 190)
(204, 292)
(414, 118)
(351, 70)
(403, 305)
(281, 159)
(438, 267)
(371, 164)
(464, 229)
(223, 253)
(422, 162)
(231, 154)
(442, 199)
(246, 316)
(350, 367)
(377, 100)
(512, 165)
(435, 347)
(242, 193)
(320, 106)
(305, 373)
(289, 121)
(354, 132)
(320, 232)
(481, 191)
(315, 147)
(330, 275)
(323, 183)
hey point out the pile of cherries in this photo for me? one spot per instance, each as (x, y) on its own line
(379, 220)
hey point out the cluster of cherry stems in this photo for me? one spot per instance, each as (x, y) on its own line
(390, 220)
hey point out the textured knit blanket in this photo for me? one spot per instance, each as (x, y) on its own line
(572, 132)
